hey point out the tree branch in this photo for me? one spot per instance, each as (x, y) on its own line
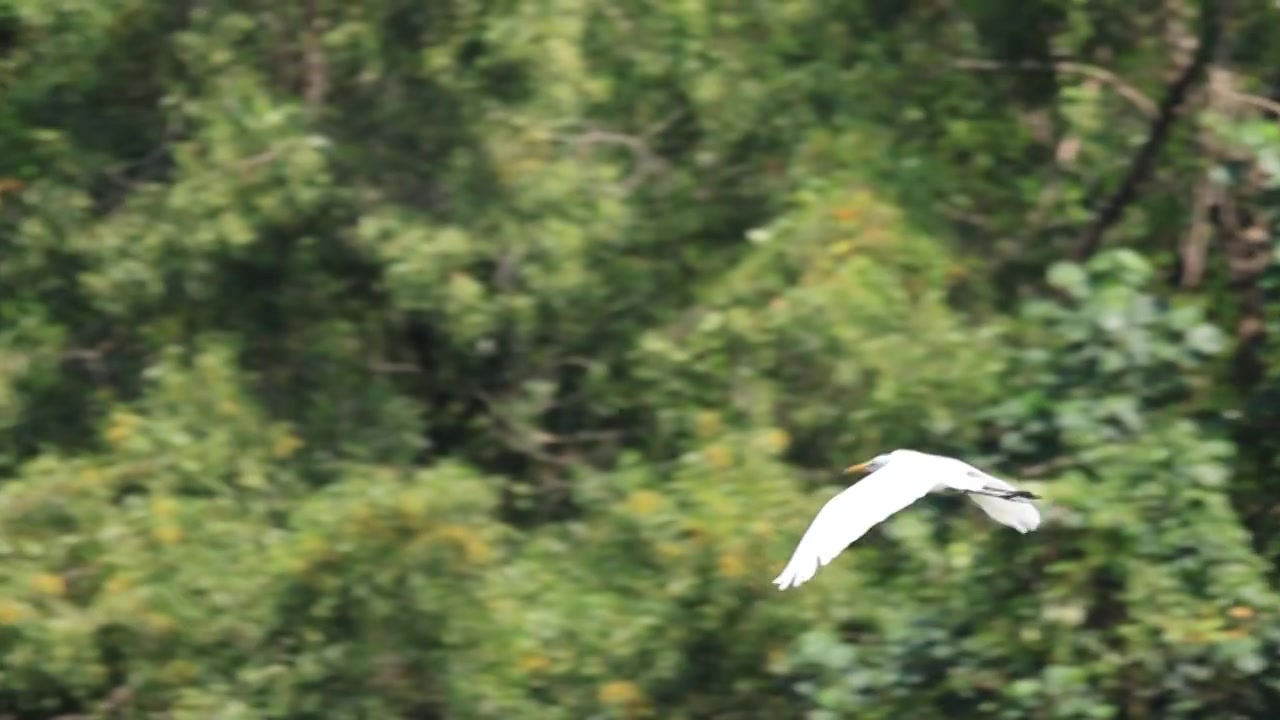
(1102, 75)
(1255, 101)
(1161, 127)
(315, 66)
(645, 162)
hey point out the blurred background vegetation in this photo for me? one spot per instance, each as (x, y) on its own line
(479, 359)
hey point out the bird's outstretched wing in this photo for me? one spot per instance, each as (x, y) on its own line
(1020, 515)
(849, 515)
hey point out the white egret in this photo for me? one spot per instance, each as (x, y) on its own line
(896, 480)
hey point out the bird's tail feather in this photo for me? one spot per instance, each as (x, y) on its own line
(1017, 514)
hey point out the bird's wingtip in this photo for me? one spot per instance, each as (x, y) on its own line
(791, 579)
(787, 579)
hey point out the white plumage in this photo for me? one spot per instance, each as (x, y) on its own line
(897, 480)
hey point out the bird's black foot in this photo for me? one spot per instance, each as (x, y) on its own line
(1005, 494)
(1022, 495)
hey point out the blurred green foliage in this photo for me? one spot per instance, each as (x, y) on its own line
(486, 360)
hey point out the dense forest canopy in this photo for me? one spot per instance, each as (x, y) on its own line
(486, 359)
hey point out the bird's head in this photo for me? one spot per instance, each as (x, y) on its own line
(869, 466)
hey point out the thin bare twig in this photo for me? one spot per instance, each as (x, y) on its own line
(517, 437)
(315, 65)
(647, 163)
(1194, 248)
(383, 367)
(1122, 87)
(1254, 101)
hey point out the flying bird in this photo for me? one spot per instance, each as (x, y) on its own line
(896, 480)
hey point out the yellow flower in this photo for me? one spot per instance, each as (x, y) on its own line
(845, 214)
(719, 457)
(164, 507)
(473, 546)
(1240, 612)
(121, 426)
(412, 506)
(534, 664)
(12, 613)
(643, 502)
(620, 693)
(707, 424)
(731, 565)
(777, 440)
(670, 550)
(116, 584)
(286, 445)
(49, 584)
(168, 533)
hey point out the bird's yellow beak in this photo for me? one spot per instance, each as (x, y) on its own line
(856, 468)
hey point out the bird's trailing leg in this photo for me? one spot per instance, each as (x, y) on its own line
(1005, 494)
